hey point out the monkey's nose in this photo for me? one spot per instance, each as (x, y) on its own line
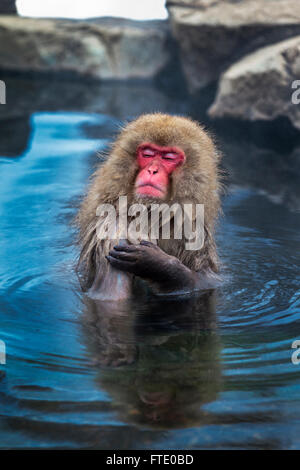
(153, 171)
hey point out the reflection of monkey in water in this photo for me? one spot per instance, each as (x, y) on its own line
(158, 361)
(157, 158)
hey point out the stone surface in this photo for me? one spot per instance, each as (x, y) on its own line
(260, 85)
(212, 34)
(7, 7)
(102, 48)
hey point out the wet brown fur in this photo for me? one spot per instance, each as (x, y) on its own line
(197, 181)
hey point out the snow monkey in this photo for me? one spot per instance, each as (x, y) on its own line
(158, 159)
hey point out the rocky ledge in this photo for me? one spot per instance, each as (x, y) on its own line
(106, 48)
(212, 34)
(250, 48)
(260, 85)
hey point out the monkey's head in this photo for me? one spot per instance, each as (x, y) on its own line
(164, 157)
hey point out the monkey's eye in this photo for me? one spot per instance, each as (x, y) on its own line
(170, 156)
(148, 153)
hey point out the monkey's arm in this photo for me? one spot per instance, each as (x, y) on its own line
(166, 273)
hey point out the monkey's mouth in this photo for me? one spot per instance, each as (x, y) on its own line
(149, 189)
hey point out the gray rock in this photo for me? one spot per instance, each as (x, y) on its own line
(102, 49)
(8, 7)
(213, 34)
(260, 85)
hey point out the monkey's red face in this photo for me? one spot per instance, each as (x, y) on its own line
(156, 166)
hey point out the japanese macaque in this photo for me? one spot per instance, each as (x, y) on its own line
(156, 159)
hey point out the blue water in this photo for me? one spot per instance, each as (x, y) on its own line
(213, 372)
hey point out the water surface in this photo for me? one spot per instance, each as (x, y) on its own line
(211, 372)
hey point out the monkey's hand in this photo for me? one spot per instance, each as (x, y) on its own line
(146, 260)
